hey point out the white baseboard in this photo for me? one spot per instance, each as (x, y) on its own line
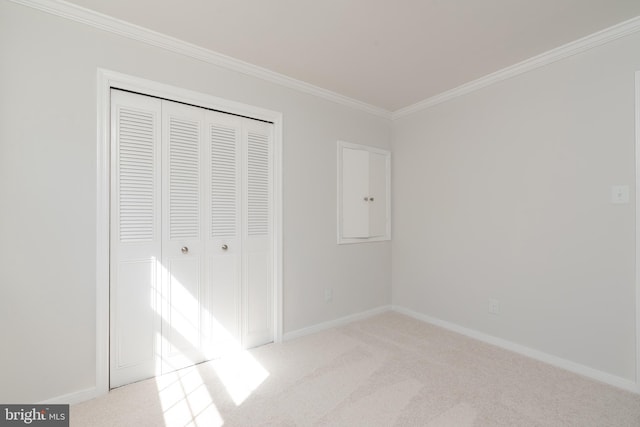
(73, 398)
(622, 383)
(334, 323)
(558, 362)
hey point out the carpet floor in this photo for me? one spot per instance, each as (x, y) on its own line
(387, 370)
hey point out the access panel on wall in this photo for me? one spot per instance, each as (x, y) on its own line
(364, 193)
(191, 239)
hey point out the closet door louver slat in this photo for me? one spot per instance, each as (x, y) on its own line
(184, 176)
(136, 175)
(223, 181)
(257, 184)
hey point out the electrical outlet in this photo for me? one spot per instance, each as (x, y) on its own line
(494, 306)
(619, 194)
(328, 295)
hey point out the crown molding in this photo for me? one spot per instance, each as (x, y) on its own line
(573, 48)
(97, 20)
(103, 22)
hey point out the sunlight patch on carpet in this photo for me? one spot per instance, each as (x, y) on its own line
(185, 400)
(241, 374)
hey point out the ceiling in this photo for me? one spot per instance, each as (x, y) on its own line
(389, 54)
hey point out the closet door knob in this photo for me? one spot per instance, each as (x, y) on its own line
(371, 199)
(366, 199)
(185, 250)
(225, 247)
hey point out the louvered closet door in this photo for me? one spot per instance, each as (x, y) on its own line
(183, 219)
(191, 236)
(135, 237)
(223, 241)
(257, 284)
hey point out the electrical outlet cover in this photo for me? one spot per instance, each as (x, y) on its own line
(619, 194)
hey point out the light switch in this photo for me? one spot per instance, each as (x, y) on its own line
(619, 194)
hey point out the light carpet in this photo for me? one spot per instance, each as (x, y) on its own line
(388, 370)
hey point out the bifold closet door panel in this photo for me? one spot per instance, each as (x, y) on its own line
(257, 282)
(135, 237)
(183, 249)
(222, 332)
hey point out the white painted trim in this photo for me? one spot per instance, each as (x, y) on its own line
(103, 22)
(565, 364)
(73, 398)
(111, 79)
(335, 323)
(278, 228)
(637, 254)
(342, 240)
(573, 48)
(102, 232)
(135, 32)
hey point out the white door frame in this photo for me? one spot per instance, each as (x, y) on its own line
(637, 261)
(111, 79)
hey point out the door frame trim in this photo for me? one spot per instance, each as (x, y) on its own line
(108, 80)
(637, 215)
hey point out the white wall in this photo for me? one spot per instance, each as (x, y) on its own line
(505, 193)
(48, 71)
